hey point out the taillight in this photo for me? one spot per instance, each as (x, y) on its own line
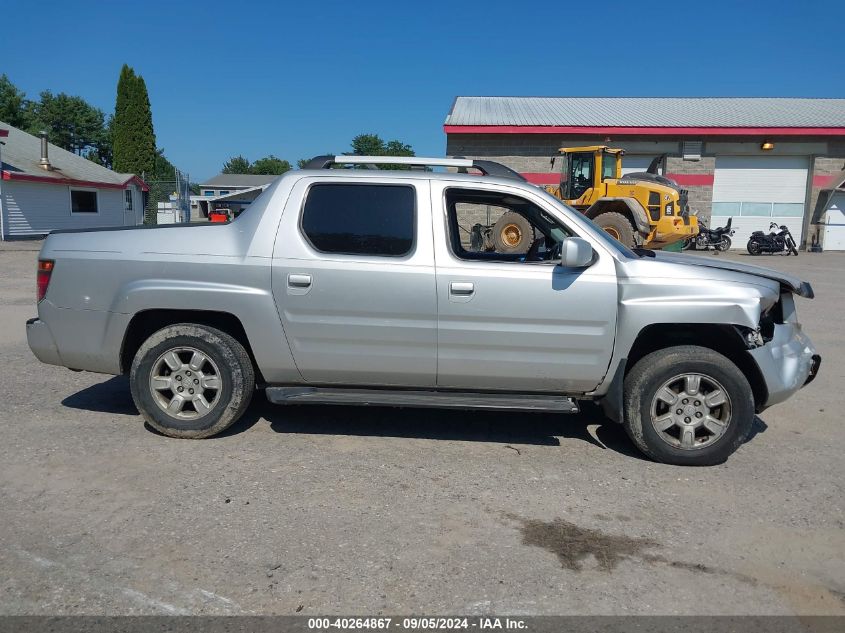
(45, 270)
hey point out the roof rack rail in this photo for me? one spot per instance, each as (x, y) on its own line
(486, 167)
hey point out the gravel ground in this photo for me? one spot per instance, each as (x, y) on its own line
(326, 510)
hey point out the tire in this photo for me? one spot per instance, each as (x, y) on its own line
(513, 233)
(689, 244)
(225, 379)
(724, 244)
(753, 247)
(687, 439)
(618, 226)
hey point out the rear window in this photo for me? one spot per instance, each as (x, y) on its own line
(360, 219)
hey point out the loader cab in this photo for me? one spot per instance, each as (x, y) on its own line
(585, 169)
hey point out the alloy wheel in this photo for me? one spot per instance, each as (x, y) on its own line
(691, 411)
(185, 383)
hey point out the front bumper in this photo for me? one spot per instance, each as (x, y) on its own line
(41, 342)
(787, 362)
(671, 229)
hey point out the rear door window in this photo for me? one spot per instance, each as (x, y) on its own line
(375, 220)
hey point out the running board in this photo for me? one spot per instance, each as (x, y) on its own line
(420, 398)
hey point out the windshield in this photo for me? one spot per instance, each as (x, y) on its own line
(597, 232)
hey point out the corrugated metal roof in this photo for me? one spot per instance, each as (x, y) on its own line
(647, 112)
(238, 180)
(22, 154)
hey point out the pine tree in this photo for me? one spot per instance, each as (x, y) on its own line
(134, 144)
(146, 136)
(121, 140)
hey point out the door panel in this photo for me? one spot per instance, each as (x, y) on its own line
(521, 326)
(354, 319)
(524, 327)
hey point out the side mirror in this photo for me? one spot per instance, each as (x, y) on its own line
(576, 252)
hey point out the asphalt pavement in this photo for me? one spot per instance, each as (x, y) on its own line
(336, 510)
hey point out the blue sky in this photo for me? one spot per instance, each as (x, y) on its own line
(299, 79)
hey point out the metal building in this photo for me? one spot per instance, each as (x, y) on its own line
(757, 160)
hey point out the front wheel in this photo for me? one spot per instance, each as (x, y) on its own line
(753, 247)
(191, 381)
(689, 244)
(687, 405)
(617, 226)
(724, 244)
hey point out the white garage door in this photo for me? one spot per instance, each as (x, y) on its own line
(758, 190)
(637, 162)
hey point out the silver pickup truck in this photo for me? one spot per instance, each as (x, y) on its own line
(370, 286)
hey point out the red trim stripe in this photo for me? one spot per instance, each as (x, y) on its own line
(542, 178)
(553, 178)
(820, 182)
(13, 175)
(4, 133)
(646, 131)
(694, 180)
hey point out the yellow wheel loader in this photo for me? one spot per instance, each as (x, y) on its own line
(638, 209)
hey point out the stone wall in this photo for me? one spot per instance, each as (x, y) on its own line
(700, 196)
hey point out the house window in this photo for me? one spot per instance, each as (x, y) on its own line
(127, 199)
(223, 192)
(83, 201)
(208, 192)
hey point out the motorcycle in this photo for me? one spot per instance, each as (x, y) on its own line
(777, 241)
(719, 238)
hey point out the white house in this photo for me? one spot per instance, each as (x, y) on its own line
(44, 187)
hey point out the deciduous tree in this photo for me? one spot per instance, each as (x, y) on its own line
(270, 165)
(12, 104)
(236, 165)
(373, 145)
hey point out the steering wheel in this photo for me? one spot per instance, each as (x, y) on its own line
(556, 252)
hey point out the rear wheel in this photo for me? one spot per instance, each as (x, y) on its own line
(617, 226)
(753, 247)
(723, 244)
(513, 233)
(687, 405)
(191, 381)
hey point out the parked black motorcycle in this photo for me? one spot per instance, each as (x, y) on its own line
(719, 238)
(777, 241)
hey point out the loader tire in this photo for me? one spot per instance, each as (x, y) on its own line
(617, 226)
(512, 233)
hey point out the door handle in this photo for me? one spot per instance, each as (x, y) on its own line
(299, 280)
(461, 288)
